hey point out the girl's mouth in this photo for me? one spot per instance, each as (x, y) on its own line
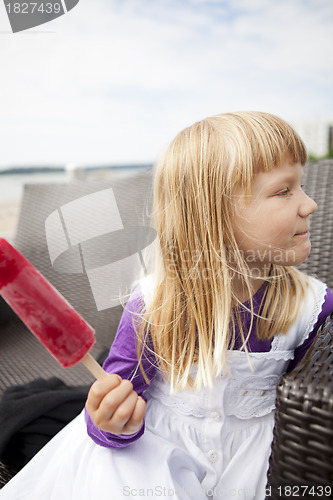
(304, 233)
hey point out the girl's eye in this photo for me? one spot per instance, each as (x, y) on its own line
(284, 192)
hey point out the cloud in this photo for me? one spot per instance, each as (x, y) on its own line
(116, 80)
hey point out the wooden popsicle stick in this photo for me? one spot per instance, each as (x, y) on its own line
(95, 368)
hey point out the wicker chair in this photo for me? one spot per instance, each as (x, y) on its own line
(302, 450)
(23, 358)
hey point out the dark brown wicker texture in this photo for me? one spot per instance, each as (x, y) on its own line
(6, 473)
(302, 449)
(318, 181)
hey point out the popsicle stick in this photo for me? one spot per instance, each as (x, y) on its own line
(91, 364)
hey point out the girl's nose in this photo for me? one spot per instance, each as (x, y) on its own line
(308, 206)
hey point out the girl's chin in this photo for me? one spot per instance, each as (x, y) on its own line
(300, 258)
(293, 258)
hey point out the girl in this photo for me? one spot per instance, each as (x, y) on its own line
(188, 400)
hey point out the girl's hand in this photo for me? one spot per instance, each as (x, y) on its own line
(114, 407)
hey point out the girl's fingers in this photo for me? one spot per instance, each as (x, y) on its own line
(135, 422)
(123, 413)
(111, 402)
(99, 390)
(114, 406)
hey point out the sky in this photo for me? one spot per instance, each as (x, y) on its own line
(113, 81)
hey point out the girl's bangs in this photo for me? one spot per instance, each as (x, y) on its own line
(273, 142)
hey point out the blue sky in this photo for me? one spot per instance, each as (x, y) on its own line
(112, 81)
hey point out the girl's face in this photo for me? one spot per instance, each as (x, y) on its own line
(272, 224)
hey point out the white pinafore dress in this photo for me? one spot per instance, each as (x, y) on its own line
(213, 444)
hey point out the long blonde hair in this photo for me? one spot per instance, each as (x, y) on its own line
(190, 316)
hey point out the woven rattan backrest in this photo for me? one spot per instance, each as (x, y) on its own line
(318, 181)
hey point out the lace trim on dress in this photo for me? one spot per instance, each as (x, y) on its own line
(277, 355)
(180, 405)
(321, 294)
(253, 396)
(317, 292)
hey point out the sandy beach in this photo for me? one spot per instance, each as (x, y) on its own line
(9, 214)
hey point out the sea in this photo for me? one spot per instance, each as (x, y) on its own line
(13, 179)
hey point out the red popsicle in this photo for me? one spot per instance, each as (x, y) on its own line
(45, 311)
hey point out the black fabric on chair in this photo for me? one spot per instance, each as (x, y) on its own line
(31, 414)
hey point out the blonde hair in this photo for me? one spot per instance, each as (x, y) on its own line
(190, 317)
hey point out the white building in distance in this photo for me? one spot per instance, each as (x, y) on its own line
(316, 134)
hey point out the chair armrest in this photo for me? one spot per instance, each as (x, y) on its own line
(302, 447)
